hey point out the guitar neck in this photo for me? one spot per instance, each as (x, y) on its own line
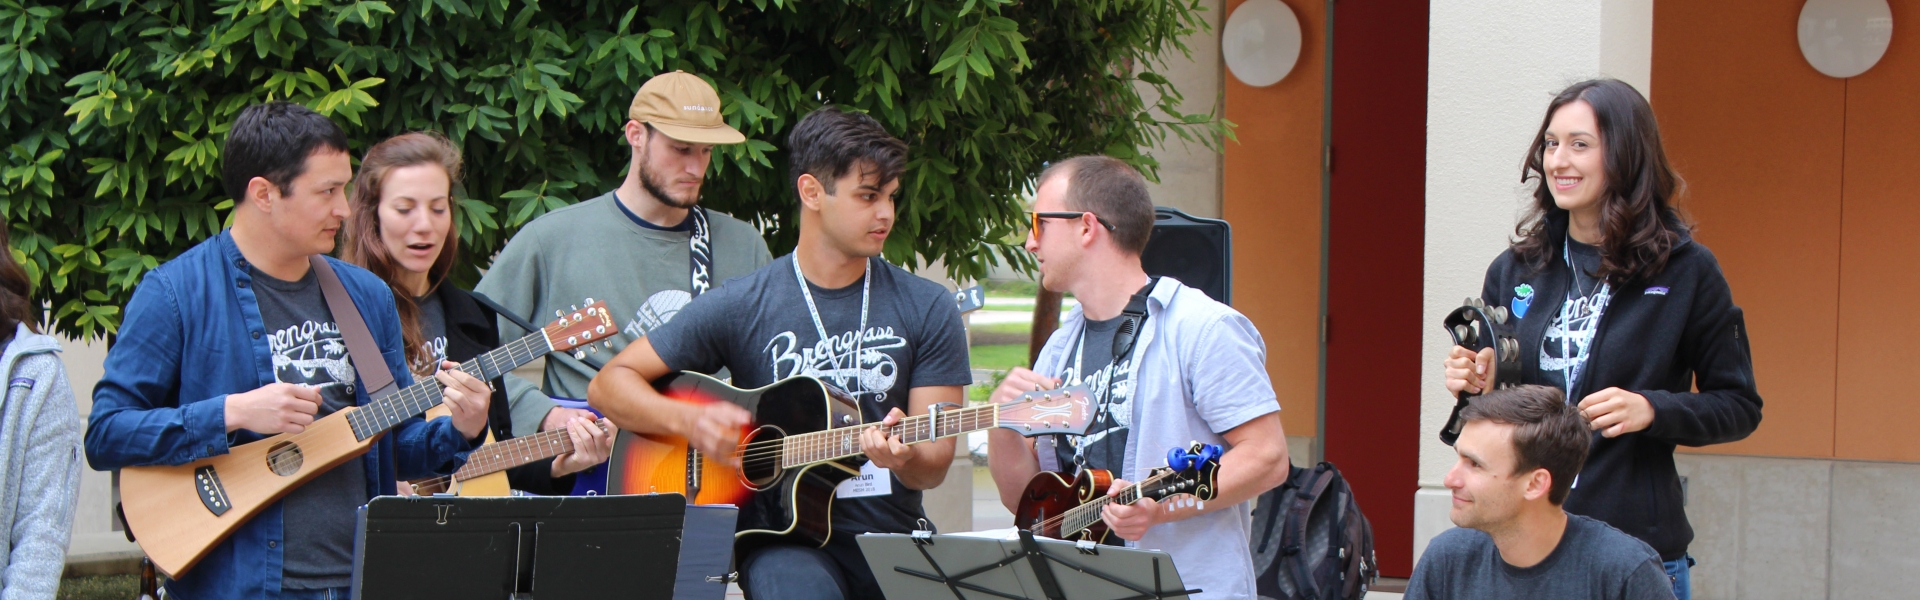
(835, 444)
(500, 456)
(384, 413)
(1085, 515)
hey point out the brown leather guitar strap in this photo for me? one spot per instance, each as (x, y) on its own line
(367, 360)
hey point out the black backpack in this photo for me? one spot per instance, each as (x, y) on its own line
(1310, 541)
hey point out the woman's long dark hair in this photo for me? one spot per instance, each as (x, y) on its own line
(1638, 221)
(364, 246)
(16, 292)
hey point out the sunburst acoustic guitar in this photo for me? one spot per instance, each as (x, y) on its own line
(805, 440)
(179, 513)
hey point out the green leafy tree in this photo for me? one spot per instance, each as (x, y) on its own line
(114, 111)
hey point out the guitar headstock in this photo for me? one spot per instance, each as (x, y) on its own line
(1067, 410)
(971, 299)
(1190, 470)
(580, 328)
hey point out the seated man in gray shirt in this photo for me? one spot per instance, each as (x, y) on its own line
(1520, 453)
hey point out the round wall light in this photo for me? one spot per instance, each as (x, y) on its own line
(1261, 42)
(1844, 38)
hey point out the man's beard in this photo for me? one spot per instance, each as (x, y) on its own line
(647, 183)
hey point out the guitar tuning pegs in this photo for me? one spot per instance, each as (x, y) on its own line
(579, 355)
(589, 300)
(559, 314)
(592, 349)
(607, 343)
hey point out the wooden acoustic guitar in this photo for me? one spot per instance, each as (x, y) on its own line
(179, 513)
(1068, 508)
(805, 441)
(485, 474)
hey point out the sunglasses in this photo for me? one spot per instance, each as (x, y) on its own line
(1034, 217)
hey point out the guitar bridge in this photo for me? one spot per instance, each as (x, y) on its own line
(213, 495)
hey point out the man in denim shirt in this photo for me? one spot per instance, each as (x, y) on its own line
(1197, 371)
(200, 364)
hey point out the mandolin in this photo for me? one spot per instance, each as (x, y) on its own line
(805, 441)
(180, 513)
(1055, 507)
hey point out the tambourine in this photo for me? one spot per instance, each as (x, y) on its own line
(1477, 327)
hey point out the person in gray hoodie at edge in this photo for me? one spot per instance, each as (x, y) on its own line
(39, 445)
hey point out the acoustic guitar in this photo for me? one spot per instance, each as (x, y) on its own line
(805, 441)
(1063, 509)
(485, 474)
(179, 513)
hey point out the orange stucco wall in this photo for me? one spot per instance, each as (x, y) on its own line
(1271, 195)
(1795, 180)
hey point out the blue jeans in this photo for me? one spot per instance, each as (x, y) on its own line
(338, 593)
(836, 571)
(1678, 571)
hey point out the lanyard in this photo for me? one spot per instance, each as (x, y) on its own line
(860, 336)
(1103, 408)
(1598, 305)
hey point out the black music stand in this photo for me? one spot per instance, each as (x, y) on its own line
(521, 548)
(969, 567)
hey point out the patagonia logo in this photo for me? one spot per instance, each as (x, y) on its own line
(1522, 298)
(1656, 291)
(20, 382)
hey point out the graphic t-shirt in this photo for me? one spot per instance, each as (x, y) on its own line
(1569, 337)
(307, 350)
(1090, 362)
(433, 329)
(594, 250)
(759, 328)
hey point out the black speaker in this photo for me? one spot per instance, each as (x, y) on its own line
(1197, 251)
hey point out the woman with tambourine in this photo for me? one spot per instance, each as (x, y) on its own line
(1614, 301)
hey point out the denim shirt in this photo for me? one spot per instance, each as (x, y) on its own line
(191, 336)
(1200, 371)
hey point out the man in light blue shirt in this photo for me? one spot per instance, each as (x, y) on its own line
(1195, 371)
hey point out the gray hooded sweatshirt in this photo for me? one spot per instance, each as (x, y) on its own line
(40, 458)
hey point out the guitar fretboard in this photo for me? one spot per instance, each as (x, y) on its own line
(1085, 515)
(500, 456)
(381, 415)
(834, 444)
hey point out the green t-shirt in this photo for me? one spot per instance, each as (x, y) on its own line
(595, 249)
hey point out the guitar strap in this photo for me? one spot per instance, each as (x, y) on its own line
(700, 252)
(367, 361)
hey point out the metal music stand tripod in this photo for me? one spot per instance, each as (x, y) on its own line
(924, 565)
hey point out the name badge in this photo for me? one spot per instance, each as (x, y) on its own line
(872, 481)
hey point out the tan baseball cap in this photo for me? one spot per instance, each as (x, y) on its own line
(685, 108)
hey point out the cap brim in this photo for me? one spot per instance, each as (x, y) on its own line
(701, 135)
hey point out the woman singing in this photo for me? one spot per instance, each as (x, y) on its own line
(402, 230)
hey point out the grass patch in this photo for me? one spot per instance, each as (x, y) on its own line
(102, 587)
(999, 357)
(1022, 289)
(1004, 328)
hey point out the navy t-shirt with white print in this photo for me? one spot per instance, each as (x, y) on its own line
(1090, 362)
(758, 327)
(308, 350)
(1569, 337)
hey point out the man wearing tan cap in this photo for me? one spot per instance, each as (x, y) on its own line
(646, 248)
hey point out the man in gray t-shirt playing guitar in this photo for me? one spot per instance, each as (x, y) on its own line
(833, 311)
(664, 248)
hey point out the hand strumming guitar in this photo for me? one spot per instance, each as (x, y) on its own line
(273, 408)
(714, 428)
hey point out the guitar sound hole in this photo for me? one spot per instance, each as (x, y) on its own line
(760, 463)
(285, 459)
